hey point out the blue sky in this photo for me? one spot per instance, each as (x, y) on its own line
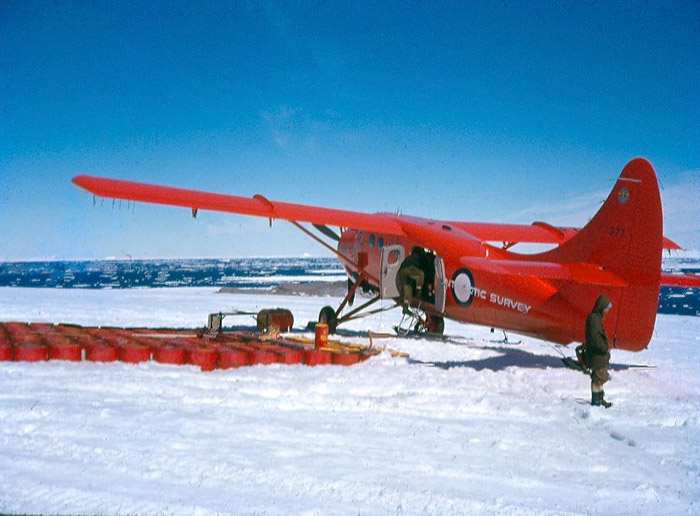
(483, 111)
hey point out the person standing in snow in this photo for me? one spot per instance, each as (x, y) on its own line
(597, 350)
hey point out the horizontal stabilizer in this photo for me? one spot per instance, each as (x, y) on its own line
(680, 280)
(587, 274)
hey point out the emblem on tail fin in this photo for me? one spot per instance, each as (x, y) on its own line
(623, 195)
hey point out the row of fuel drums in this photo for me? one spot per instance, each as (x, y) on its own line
(38, 342)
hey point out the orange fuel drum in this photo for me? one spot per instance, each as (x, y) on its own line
(280, 317)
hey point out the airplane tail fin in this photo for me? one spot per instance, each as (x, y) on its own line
(624, 239)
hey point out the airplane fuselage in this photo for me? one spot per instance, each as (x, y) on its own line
(517, 304)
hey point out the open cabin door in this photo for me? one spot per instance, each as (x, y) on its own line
(440, 284)
(391, 260)
(392, 257)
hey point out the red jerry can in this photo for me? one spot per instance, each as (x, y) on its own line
(321, 340)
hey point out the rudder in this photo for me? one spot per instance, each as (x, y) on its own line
(625, 238)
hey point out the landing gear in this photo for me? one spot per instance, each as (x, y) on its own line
(435, 324)
(327, 315)
(504, 340)
(351, 297)
(333, 318)
(362, 279)
(418, 321)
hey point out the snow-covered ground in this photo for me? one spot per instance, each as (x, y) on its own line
(463, 427)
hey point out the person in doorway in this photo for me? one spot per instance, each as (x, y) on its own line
(597, 350)
(411, 273)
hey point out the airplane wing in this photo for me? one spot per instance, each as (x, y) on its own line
(462, 235)
(257, 206)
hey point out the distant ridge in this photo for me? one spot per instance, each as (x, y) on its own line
(283, 276)
(237, 272)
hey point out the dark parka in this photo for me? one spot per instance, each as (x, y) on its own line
(596, 346)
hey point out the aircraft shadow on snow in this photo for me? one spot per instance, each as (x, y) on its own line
(509, 357)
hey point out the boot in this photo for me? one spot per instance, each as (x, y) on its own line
(598, 400)
(602, 401)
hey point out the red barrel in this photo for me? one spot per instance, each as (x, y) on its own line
(5, 351)
(151, 344)
(261, 356)
(30, 352)
(169, 354)
(314, 357)
(66, 351)
(205, 358)
(287, 355)
(101, 353)
(232, 357)
(110, 335)
(14, 328)
(57, 340)
(134, 354)
(321, 335)
(86, 341)
(346, 359)
(279, 317)
(27, 337)
(42, 327)
(71, 331)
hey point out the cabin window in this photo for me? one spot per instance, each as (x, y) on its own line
(371, 241)
(380, 242)
(393, 257)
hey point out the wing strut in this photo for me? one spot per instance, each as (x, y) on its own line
(327, 231)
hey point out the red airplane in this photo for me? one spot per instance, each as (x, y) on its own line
(468, 278)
